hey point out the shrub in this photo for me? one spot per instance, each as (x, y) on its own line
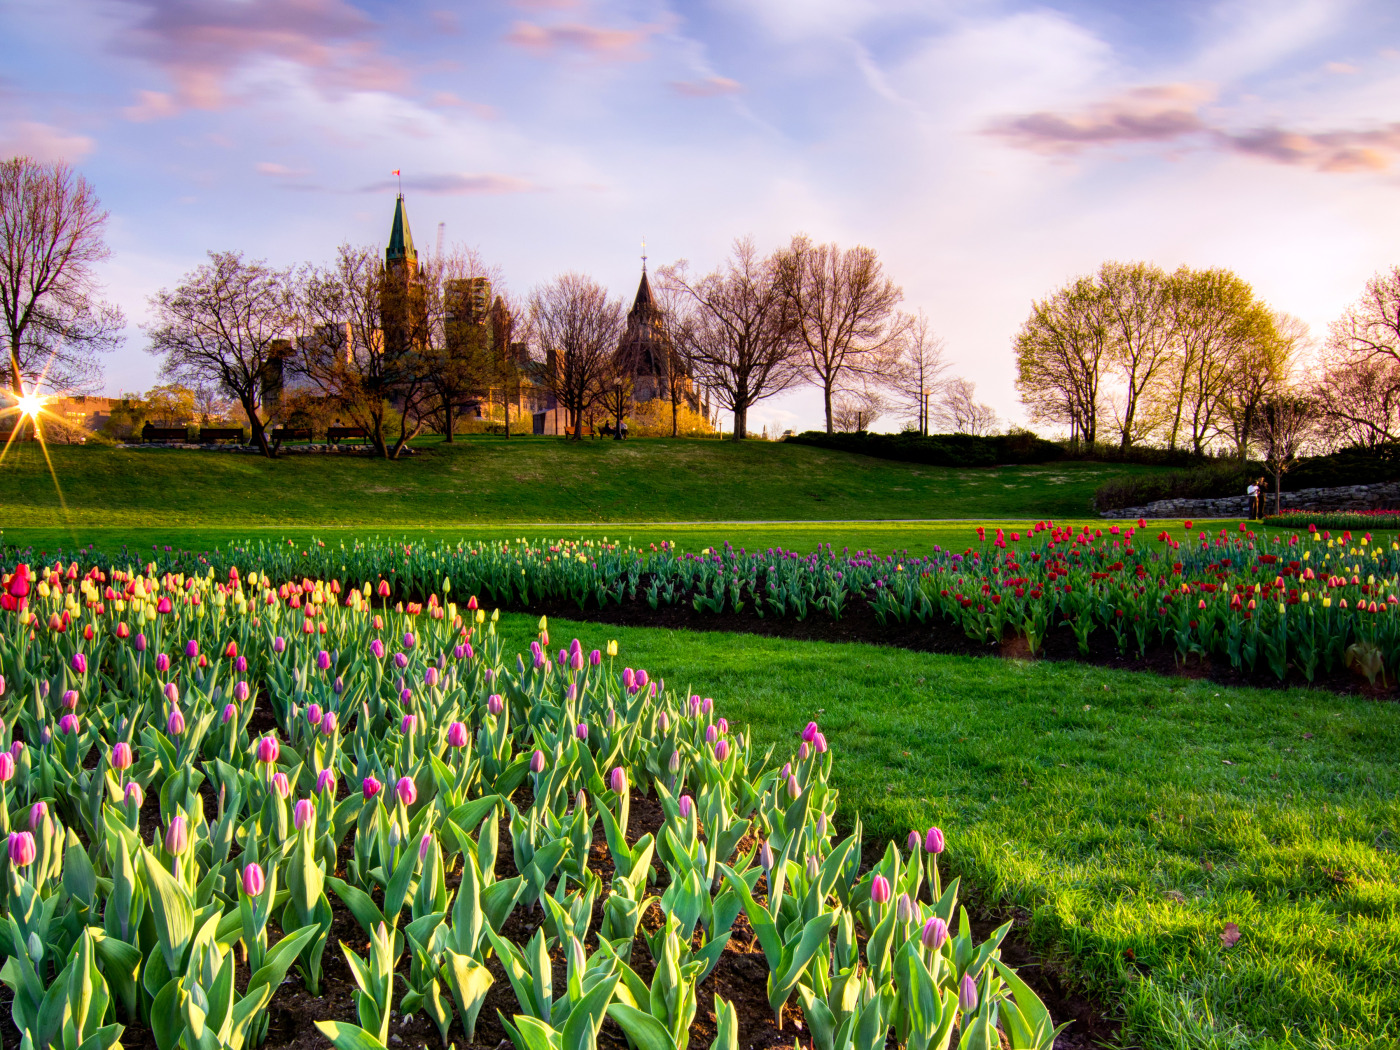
(940, 450)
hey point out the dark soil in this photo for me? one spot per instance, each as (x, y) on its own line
(859, 624)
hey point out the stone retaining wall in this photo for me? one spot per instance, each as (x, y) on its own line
(1345, 497)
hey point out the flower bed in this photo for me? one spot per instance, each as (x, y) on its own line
(1355, 519)
(1309, 603)
(216, 790)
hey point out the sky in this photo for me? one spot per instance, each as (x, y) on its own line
(989, 151)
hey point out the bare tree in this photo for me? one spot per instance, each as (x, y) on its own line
(1062, 353)
(51, 239)
(576, 328)
(677, 370)
(361, 344)
(1370, 327)
(856, 410)
(958, 409)
(1360, 400)
(1283, 423)
(507, 358)
(460, 354)
(740, 330)
(1135, 304)
(1263, 367)
(844, 309)
(227, 323)
(915, 375)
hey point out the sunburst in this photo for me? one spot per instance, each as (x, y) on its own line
(30, 405)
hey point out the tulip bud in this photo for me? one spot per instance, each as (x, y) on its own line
(135, 794)
(803, 752)
(70, 699)
(46, 733)
(325, 782)
(22, 849)
(38, 813)
(880, 890)
(371, 787)
(313, 714)
(329, 723)
(457, 735)
(915, 841)
(162, 663)
(191, 649)
(813, 869)
(425, 844)
(268, 749)
(820, 744)
(323, 660)
(407, 723)
(241, 665)
(618, 780)
(967, 995)
(821, 826)
(240, 691)
(121, 758)
(904, 908)
(810, 733)
(663, 722)
(686, 805)
(80, 663)
(140, 642)
(722, 750)
(794, 789)
(177, 836)
(279, 644)
(408, 640)
(934, 934)
(69, 724)
(494, 704)
(582, 731)
(281, 784)
(707, 706)
(253, 880)
(377, 648)
(407, 790)
(7, 767)
(933, 841)
(765, 857)
(580, 800)
(711, 734)
(674, 763)
(537, 762)
(302, 812)
(229, 712)
(595, 658)
(172, 693)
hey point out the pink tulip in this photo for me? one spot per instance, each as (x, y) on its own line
(967, 994)
(191, 649)
(281, 784)
(495, 704)
(177, 836)
(537, 762)
(7, 767)
(933, 841)
(711, 734)
(268, 750)
(325, 783)
(134, 793)
(163, 606)
(810, 733)
(229, 713)
(329, 723)
(408, 640)
(140, 642)
(794, 789)
(663, 722)
(457, 735)
(303, 812)
(722, 750)
(407, 723)
(880, 890)
(240, 691)
(425, 844)
(686, 805)
(70, 699)
(323, 660)
(371, 787)
(253, 880)
(377, 648)
(162, 663)
(430, 677)
(38, 813)
(313, 714)
(582, 732)
(820, 744)
(69, 724)
(121, 757)
(407, 790)
(618, 780)
(22, 849)
(175, 724)
(80, 663)
(935, 933)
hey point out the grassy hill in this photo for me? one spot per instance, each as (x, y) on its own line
(523, 480)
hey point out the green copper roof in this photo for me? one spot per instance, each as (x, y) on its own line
(400, 237)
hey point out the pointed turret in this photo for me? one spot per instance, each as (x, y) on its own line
(644, 300)
(400, 250)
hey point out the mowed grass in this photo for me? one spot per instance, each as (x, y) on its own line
(523, 480)
(1133, 816)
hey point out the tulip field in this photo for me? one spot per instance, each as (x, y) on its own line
(223, 786)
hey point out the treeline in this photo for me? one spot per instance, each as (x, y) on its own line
(941, 450)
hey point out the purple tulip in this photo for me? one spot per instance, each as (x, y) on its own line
(241, 664)
(80, 663)
(303, 812)
(268, 749)
(407, 723)
(135, 794)
(329, 723)
(140, 642)
(7, 767)
(313, 714)
(70, 699)
(230, 712)
(694, 706)
(240, 691)
(370, 786)
(457, 735)
(162, 663)
(177, 836)
(810, 733)
(663, 722)
(641, 679)
(281, 784)
(618, 780)
(16, 749)
(820, 744)
(933, 841)
(323, 660)
(338, 686)
(38, 813)
(595, 657)
(904, 908)
(22, 849)
(69, 724)
(279, 644)
(582, 731)
(721, 750)
(880, 890)
(494, 704)
(377, 648)
(407, 790)
(45, 735)
(934, 934)
(325, 783)
(430, 677)
(915, 841)
(686, 805)
(765, 856)
(629, 679)
(121, 757)
(967, 994)
(674, 762)
(711, 734)
(408, 640)
(425, 844)
(253, 880)
(537, 762)
(192, 649)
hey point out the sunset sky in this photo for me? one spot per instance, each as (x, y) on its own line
(988, 150)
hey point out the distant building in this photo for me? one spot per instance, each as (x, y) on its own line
(646, 351)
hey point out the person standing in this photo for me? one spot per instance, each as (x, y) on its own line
(1263, 487)
(1253, 493)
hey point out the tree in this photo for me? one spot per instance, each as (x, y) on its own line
(843, 308)
(1262, 366)
(1282, 424)
(856, 410)
(51, 240)
(1362, 367)
(576, 328)
(676, 370)
(915, 375)
(740, 330)
(229, 323)
(506, 360)
(1062, 351)
(958, 410)
(1213, 318)
(460, 354)
(1135, 310)
(364, 332)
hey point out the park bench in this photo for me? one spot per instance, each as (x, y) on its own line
(150, 433)
(208, 435)
(335, 434)
(281, 434)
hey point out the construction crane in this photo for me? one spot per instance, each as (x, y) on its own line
(442, 232)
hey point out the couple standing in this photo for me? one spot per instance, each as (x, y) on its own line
(1258, 493)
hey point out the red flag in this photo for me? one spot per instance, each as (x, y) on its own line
(395, 172)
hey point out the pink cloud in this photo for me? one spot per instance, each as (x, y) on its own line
(151, 105)
(43, 142)
(200, 44)
(456, 184)
(280, 170)
(605, 44)
(709, 87)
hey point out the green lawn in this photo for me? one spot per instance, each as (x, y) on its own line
(490, 480)
(1129, 813)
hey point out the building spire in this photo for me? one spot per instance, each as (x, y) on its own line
(400, 248)
(644, 253)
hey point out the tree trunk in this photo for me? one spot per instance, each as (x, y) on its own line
(741, 422)
(449, 419)
(826, 399)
